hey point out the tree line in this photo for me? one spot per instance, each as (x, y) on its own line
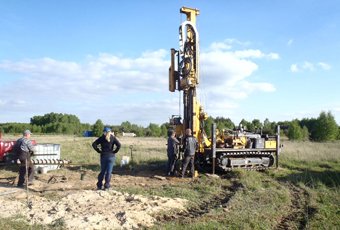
(323, 128)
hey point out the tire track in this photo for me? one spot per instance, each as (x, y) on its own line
(300, 210)
(217, 201)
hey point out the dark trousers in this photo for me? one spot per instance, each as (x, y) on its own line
(22, 171)
(186, 161)
(171, 164)
(106, 165)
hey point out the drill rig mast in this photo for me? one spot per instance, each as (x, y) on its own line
(184, 74)
(234, 148)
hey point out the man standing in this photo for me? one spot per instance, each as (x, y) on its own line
(189, 152)
(171, 150)
(24, 149)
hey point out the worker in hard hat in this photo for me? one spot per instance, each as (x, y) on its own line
(171, 151)
(24, 149)
(190, 147)
(109, 146)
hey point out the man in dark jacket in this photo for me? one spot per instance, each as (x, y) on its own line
(190, 147)
(171, 150)
(24, 149)
(109, 146)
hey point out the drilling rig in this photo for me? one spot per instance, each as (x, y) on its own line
(225, 149)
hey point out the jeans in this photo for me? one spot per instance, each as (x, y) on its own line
(107, 162)
(171, 164)
(189, 159)
(22, 171)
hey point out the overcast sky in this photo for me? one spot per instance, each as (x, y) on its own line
(109, 59)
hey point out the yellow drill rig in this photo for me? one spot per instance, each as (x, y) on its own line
(225, 149)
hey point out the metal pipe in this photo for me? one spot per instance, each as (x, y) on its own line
(213, 146)
(277, 146)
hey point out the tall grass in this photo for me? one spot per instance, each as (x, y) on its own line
(311, 151)
(79, 149)
(264, 199)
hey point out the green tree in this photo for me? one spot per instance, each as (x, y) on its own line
(224, 123)
(269, 127)
(164, 129)
(257, 125)
(125, 127)
(248, 126)
(97, 128)
(207, 125)
(57, 123)
(310, 123)
(295, 131)
(155, 130)
(137, 129)
(305, 133)
(326, 128)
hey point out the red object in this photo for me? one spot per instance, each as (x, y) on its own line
(7, 146)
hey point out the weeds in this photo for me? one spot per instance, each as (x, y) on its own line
(303, 193)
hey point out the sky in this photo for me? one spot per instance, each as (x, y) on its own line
(109, 59)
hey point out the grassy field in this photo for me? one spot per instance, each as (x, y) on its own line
(302, 194)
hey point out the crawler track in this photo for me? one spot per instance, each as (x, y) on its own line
(300, 211)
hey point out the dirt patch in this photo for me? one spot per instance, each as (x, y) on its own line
(63, 199)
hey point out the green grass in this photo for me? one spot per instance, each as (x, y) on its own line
(19, 223)
(306, 184)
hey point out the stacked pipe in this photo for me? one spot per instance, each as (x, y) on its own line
(48, 162)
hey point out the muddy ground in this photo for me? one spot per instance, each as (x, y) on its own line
(68, 197)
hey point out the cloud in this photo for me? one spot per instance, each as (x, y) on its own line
(324, 66)
(309, 66)
(290, 42)
(220, 46)
(116, 88)
(294, 68)
(227, 44)
(227, 74)
(251, 53)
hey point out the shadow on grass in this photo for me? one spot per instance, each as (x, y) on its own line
(10, 167)
(93, 167)
(327, 176)
(147, 169)
(150, 169)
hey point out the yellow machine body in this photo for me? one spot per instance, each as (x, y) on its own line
(235, 148)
